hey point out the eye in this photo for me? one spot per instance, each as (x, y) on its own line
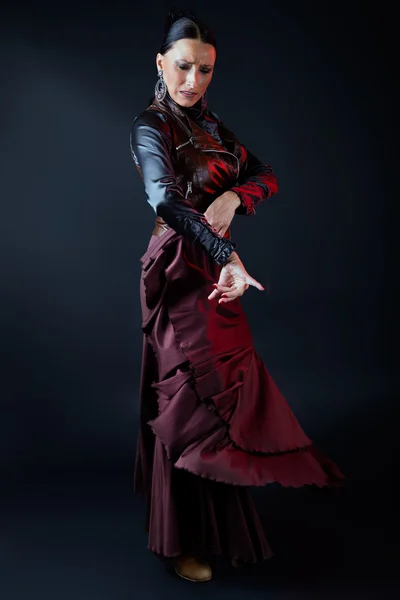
(187, 67)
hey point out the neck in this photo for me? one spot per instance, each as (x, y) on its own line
(194, 111)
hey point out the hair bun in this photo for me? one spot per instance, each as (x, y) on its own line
(177, 13)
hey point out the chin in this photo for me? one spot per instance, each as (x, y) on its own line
(182, 101)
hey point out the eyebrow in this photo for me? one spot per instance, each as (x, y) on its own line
(192, 63)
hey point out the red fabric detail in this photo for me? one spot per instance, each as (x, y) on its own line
(246, 200)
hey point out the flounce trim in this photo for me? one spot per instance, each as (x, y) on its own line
(197, 440)
(222, 416)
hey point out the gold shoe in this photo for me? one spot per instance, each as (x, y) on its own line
(192, 569)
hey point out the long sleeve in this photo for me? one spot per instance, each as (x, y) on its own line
(256, 183)
(151, 146)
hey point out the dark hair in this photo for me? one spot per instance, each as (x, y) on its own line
(181, 24)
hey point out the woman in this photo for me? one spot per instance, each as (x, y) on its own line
(212, 420)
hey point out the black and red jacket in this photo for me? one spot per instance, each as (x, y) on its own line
(187, 158)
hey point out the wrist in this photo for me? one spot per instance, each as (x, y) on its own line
(233, 257)
(235, 199)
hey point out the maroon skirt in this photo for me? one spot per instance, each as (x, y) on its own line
(212, 420)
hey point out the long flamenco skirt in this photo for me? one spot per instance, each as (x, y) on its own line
(213, 421)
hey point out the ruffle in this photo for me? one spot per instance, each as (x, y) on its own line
(193, 515)
(220, 414)
(197, 439)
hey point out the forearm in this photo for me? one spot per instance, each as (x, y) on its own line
(234, 199)
(196, 228)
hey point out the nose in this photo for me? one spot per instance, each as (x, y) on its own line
(193, 78)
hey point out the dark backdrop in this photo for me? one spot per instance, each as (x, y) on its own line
(307, 87)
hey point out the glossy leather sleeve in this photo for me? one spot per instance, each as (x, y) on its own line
(256, 181)
(151, 146)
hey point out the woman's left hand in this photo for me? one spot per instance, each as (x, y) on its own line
(233, 281)
(221, 212)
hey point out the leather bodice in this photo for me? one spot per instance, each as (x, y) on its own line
(185, 168)
(204, 167)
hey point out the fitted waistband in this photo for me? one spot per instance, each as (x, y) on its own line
(160, 228)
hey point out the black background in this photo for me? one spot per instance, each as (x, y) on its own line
(309, 88)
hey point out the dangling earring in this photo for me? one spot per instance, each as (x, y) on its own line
(161, 89)
(204, 101)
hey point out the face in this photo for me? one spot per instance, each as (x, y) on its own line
(187, 67)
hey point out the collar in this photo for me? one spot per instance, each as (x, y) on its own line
(202, 119)
(194, 112)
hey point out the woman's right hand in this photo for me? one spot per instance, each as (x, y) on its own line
(233, 281)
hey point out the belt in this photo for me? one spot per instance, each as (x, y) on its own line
(161, 227)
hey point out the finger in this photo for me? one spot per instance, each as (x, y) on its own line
(238, 290)
(233, 294)
(214, 294)
(222, 288)
(218, 291)
(255, 283)
(225, 300)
